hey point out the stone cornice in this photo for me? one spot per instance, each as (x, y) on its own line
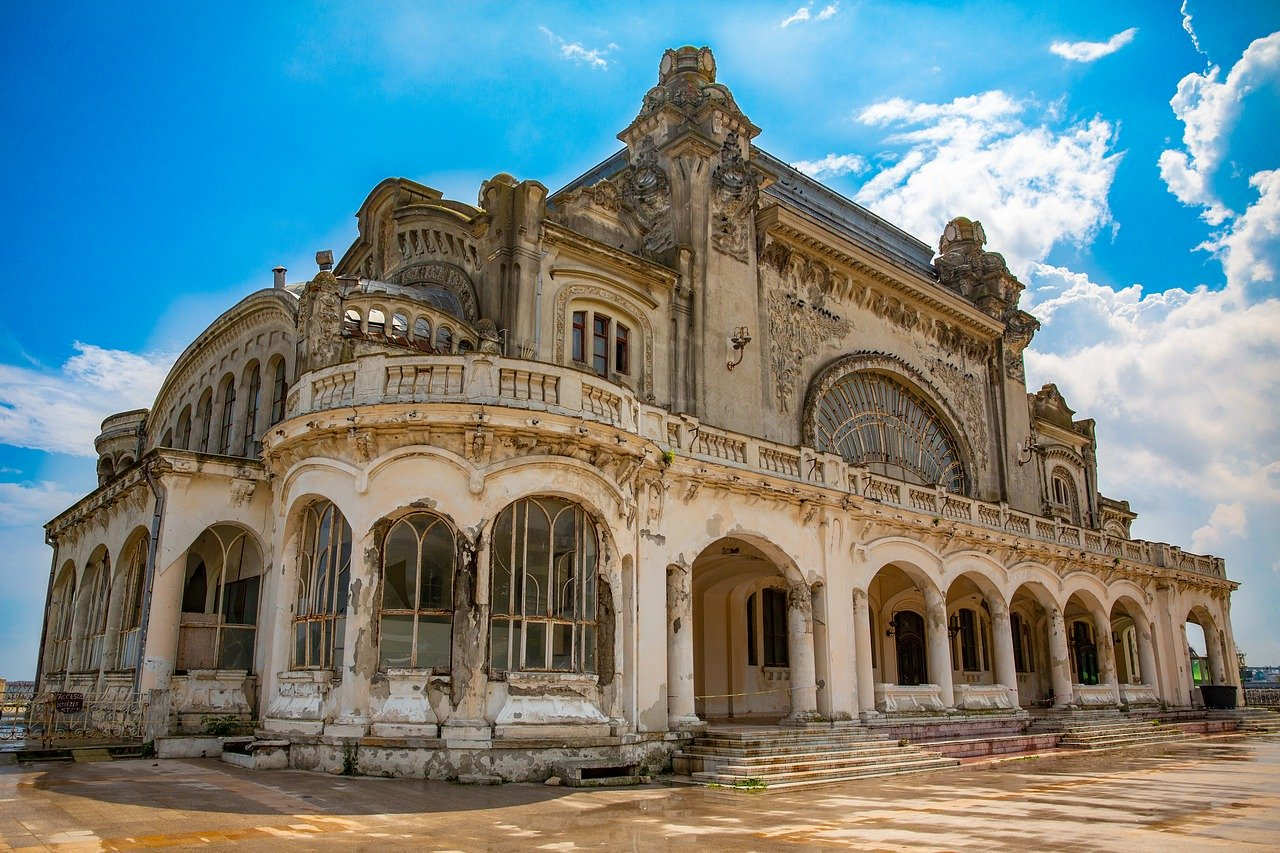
(601, 254)
(864, 267)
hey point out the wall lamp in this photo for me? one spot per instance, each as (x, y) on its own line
(739, 340)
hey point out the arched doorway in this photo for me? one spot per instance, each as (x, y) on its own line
(908, 637)
(911, 664)
(752, 635)
(1134, 653)
(1090, 651)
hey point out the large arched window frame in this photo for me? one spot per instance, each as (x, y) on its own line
(98, 592)
(134, 568)
(250, 446)
(415, 624)
(64, 594)
(204, 412)
(324, 578)
(874, 419)
(220, 601)
(228, 414)
(543, 587)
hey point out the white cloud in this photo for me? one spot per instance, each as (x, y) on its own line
(1088, 51)
(1209, 110)
(832, 165)
(61, 411)
(1190, 30)
(1227, 520)
(33, 503)
(992, 158)
(576, 52)
(1250, 247)
(804, 13)
(801, 14)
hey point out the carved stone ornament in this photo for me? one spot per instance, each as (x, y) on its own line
(978, 275)
(1019, 328)
(963, 389)
(799, 322)
(735, 187)
(443, 274)
(687, 83)
(646, 195)
(241, 491)
(320, 323)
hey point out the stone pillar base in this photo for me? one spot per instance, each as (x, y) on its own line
(467, 734)
(802, 718)
(347, 726)
(688, 724)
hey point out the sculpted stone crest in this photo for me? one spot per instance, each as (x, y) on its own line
(734, 188)
(646, 195)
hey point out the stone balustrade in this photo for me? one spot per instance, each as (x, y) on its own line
(518, 383)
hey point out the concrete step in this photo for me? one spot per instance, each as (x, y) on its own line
(736, 768)
(784, 753)
(801, 735)
(816, 777)
(1106, 743)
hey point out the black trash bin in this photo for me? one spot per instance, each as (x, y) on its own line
(1218, 696)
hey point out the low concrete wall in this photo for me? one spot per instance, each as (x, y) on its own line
(188, 746)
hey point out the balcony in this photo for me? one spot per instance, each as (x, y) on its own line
(516, 383)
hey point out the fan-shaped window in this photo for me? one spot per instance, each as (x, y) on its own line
(444, 299)
(870, 419)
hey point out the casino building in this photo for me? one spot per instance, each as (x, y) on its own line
(567, 475)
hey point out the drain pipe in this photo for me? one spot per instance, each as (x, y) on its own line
(157, 518)
(44, 623)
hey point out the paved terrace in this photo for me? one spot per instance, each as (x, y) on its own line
(1222, 794)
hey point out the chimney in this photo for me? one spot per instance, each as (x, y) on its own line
(279, 282)
(324, 259)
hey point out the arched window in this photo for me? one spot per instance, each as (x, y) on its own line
(465, 345)
(600, 342)
(543, 587)
(228, 413)
(422, 330)
(279, 387)
(873, 420)
(1063, 489)
(205, 415)
(106, 470)
(377, 322)
(251, 446)
(1084, 652)
(62, 610)
(184, 429)
(444, 339)
(135, 568)
(324, 577)
(351, 322)
(220, 601)
(167, 440)
(98, 592)
(399, 326)
(416, 619)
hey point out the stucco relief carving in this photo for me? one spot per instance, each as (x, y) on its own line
(1020, 327)
(734, 188)
(799, 321)
(963, 387)
(646, 195)
(591, 291)
(417, 243)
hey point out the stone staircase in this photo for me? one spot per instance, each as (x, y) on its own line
(1257, 720)
(775, 757)
(1113, 732)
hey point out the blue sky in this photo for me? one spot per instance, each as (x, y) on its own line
(159, 161)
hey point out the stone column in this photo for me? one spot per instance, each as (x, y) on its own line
(862, 640)
(939, 642)
(360, 650)
(1006, 669)
(1146, 653)
(1106, 655)
(1213, 649)
(163, 620)
(1059, 660)
(804, 675)
(680, 705)
(467, 726)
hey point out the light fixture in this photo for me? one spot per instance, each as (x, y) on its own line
(1027, 447)
(739, 340)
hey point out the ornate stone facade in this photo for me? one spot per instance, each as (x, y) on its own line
(692, 437)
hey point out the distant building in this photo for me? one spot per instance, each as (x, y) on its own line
(692, 437)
